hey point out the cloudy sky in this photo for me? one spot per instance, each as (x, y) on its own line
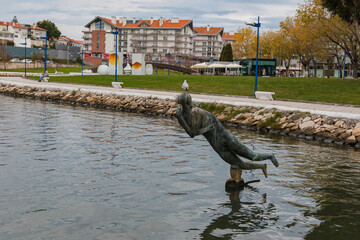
(71, 15)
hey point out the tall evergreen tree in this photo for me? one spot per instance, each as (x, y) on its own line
(228, 55)
(222, 53)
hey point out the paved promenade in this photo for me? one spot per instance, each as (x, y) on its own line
(333, 110)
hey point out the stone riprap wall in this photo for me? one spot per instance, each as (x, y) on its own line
(18, 74)
(10, 65)
(299, 124)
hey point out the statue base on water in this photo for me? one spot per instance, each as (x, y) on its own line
(236, 182)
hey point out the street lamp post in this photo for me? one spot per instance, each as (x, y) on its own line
(344, 63)
(46, 38)
(82, 61)
(300, 56)
(260, 64)
(116, 63)
(179, 66)
(25, 54)
(169, 64)
(257, 25)
(157, 61)
(275, 65)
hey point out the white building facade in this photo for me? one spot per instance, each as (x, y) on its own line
(157, 39)
(17, 34)
(208, 43)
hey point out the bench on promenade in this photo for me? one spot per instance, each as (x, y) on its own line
(264, 95)
(117, 84)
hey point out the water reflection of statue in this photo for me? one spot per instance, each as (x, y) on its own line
(197, 121)
(244, 218)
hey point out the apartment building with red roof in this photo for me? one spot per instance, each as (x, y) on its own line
(208, 42)
(229, 37)
(19, 33)
(64, 40)
(156, 38)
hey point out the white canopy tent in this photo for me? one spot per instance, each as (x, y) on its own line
(217, 65)
(233, 65)
(199, 66)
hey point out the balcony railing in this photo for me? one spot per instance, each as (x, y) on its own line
(206, 40)
(214, 52)
(161, 34)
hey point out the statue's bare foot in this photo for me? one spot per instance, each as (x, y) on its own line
(264, 170)
(274, 161)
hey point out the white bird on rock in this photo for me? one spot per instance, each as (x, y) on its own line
(185, 85)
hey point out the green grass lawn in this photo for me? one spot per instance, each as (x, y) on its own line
(331, 90)
(50, 70)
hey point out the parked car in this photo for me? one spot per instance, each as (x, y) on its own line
(15, 60)
(27, 60)
(49, 62)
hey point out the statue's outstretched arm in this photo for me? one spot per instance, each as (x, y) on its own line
(192, 129)
(206, 129)
(184, 124)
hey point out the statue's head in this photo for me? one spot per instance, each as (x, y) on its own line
(184, 98)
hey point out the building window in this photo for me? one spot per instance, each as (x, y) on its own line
(97, 40)
(165, 38)
(204, 43)
(154, 50)
(204, 49)
(155, 38)
(99, 25)
(164, 50)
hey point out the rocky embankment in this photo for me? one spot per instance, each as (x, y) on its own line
(299, 124)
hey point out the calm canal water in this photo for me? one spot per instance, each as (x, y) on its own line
(70, 172)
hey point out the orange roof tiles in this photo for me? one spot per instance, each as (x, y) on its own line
(15, 25)
(229, 36)
(155, 24)
(70, 40)
(204, 30)
(38, 28)
(78, 42)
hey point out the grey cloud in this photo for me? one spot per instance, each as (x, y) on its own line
(80, 12)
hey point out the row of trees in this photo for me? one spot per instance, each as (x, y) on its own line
(316, 32)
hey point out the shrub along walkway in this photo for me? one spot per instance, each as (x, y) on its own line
(332, 110)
